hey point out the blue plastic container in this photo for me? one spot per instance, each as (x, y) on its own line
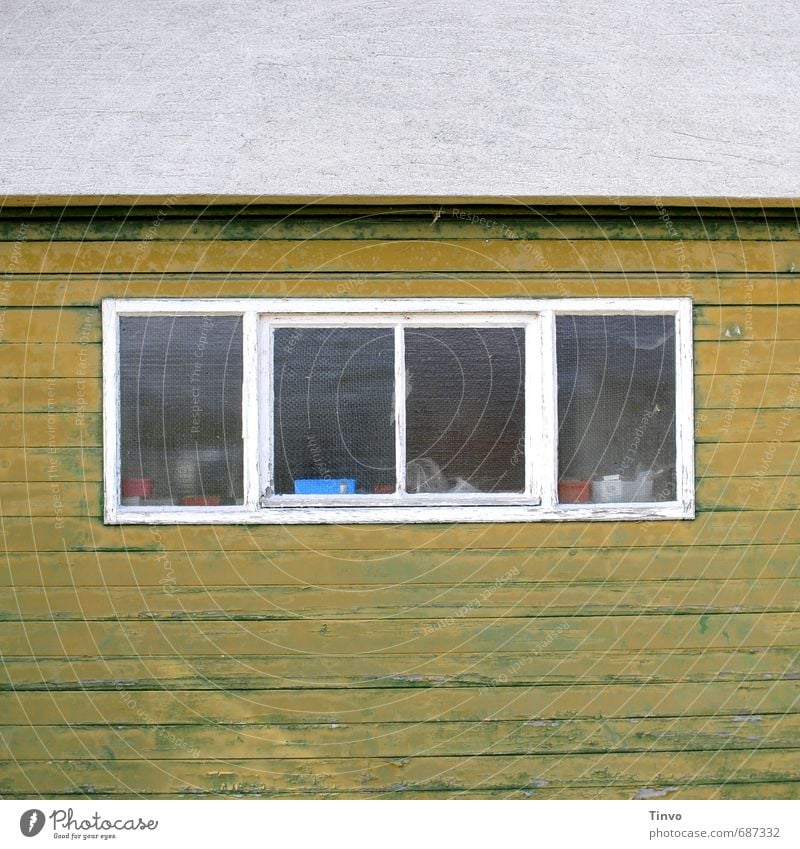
(325, 486)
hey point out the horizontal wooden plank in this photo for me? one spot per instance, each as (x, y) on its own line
(54, 395)
(399, 740)
(50, 326)
(730, 324)
(747, 391)
(75, 289)
(693, 791)
(314, 568)
(710, 529)
(319, 775)
(430, 222)
(440, 603)
(759, 493)
(745, 357)
(747, 459)
(54, 498)
(46, 464)
(61, 360)
(399, 671)
(712, 289)
(492, 255)
(50, 429)
(454, 704)
(399, 636)
(748, 425)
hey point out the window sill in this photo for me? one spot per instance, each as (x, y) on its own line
(399, 515)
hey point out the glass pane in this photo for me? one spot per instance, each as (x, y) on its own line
(181, 410)
(334, 411)
(616, 408)
(465, 409)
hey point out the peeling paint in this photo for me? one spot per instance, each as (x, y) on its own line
(655, 792)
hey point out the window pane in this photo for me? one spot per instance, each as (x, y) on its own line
(616, 407)
(465, 409)
(181, 410)
(334, 411)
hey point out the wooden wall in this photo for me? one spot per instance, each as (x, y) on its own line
(630, 660)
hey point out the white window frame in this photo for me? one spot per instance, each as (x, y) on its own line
(538, 503)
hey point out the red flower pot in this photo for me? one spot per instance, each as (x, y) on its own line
(573, 492)
(142, 487)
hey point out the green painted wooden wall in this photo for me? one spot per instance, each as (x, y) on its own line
(630, 660)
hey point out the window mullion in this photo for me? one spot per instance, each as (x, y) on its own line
(532, 406)
(112, 459)
(265, 410)
(250, 381)
(546, 452)
(400, 407)
(684, 409)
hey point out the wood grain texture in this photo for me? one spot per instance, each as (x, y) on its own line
(745, 425)
(437, 602)
(19, 360)
(724, 790)
(56, 464)
(425, 773)
(50, 326)
(58, 430)
(414, 671)
(654, 659)
(489, 255)
(189, 568)
(737, 289)
(746, 391)
(747, 459)
(655, 631)
(54, 395)
(303, 706)
(401, 740)
(421, 221)
(748, 322)
(743, 357)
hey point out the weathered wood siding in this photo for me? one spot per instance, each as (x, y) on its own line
(655, 659)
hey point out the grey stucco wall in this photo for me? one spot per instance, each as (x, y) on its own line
(443, 97)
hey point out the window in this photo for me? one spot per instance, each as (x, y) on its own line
(297, 411)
